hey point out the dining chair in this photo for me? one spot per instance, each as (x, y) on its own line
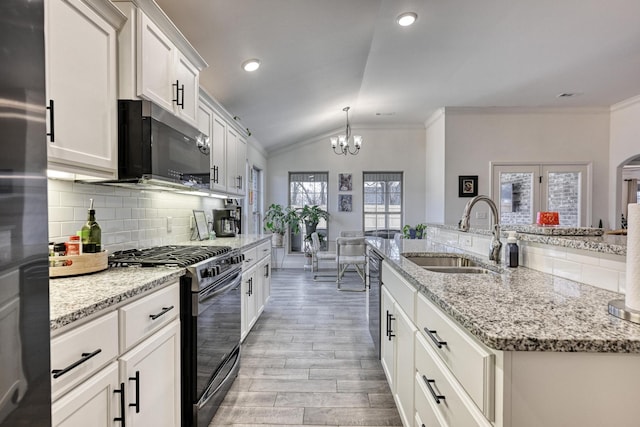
(351, 251)
(317, 255)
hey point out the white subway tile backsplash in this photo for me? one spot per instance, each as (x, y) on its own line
(614, 262)
(73, 199)
(57, 214)
(130, 224)
(128, 218)
(54, 229)
(123, 213)
(113, 201)
(600, 277)
(580, 256)
(567, 269)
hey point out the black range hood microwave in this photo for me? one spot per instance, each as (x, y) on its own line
(156, 149)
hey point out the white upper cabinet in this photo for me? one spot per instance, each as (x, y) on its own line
(188, 81)
(156, 62)
(81, 73)
(228, 147)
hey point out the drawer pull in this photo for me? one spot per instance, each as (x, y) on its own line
(436, 397)
(137, 402)
(434, 338)
(164, 311)
(121, 417)
(85, 356)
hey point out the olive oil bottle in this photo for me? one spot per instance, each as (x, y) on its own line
(91, 233)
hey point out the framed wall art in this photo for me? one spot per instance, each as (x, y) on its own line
(345, 203)
(345, 182)
(467, 185)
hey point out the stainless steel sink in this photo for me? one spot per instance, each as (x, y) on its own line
(442, 261)
(458, 270)
(449, 263)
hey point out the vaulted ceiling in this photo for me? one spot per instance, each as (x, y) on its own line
(318, 56)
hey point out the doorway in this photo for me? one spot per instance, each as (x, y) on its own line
(522, 190)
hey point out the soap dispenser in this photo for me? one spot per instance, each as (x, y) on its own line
(512, 249)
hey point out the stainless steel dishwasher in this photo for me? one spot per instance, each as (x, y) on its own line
(375, 281)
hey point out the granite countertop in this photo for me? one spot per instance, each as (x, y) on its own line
(76, 298)
(521, 309)
(608, 244)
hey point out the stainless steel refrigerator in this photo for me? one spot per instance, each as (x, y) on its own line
(25, 388)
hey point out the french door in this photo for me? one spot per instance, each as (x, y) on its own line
(522, 190)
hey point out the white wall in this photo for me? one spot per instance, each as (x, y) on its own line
(624, 145)
(475, 137)
(382, 150)
(435, 172)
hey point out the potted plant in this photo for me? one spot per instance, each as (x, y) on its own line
(420, 231)
(416, 232)
(311, 215)
(277, 219)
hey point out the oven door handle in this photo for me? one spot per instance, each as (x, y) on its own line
(213, 291)
(208, 393)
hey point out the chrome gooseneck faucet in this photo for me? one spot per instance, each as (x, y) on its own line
(496, 245)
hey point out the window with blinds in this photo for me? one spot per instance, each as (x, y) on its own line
(382, 201)
(308, 188)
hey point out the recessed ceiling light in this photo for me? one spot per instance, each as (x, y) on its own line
(251, 65)
(407, 19)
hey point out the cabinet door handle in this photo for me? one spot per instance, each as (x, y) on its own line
(266, 270)
(136, 404)
(386, 333)
(85, 356)
(121, 417)
(179, 103)
(436, 397)
(164, 311)
(434, 338)
(51, 133)
(390, 333)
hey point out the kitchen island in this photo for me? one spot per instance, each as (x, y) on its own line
(514, 348)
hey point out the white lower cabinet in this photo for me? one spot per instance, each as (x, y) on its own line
(249, 309)
(94, 403)
(397, 344)
(256, 284)
(151, 374)
(98, 382)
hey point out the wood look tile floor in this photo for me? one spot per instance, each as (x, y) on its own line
(309, 361)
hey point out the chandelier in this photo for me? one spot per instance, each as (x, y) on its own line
(342, 144)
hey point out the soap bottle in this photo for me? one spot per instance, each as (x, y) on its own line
(512, 249)
(91, 233)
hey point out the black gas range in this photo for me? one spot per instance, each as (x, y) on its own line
(210, 314)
